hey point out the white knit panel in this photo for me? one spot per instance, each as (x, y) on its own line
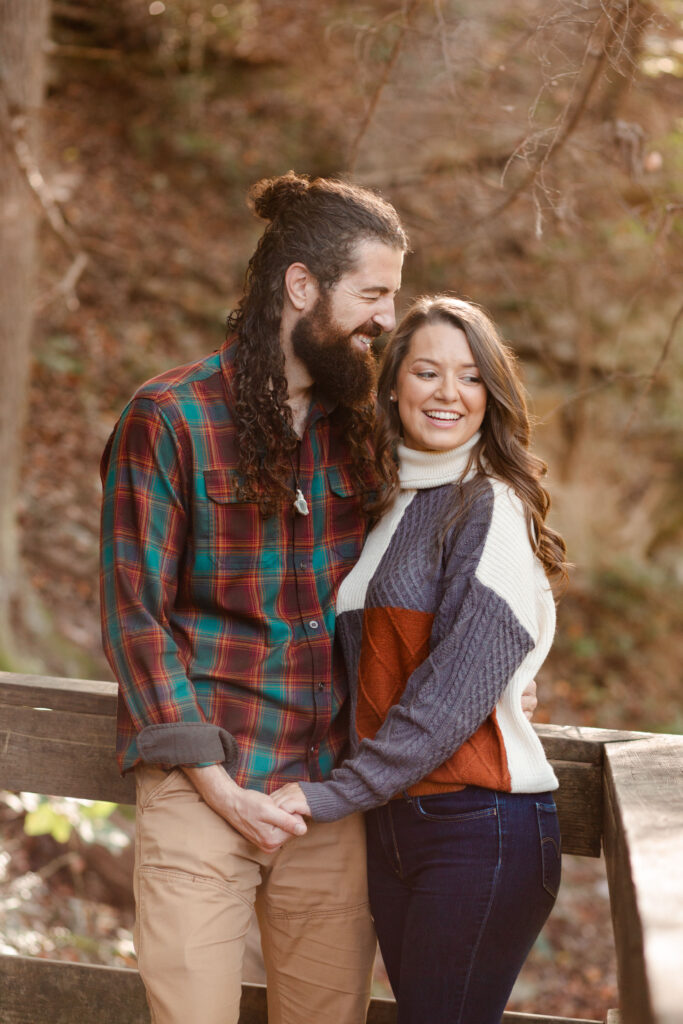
(509, 567)
(351, 593)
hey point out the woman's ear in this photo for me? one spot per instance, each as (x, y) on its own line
(301, 287)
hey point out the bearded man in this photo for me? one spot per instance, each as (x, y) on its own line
(234, 495)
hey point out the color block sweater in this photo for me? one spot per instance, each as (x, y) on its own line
(440, 641)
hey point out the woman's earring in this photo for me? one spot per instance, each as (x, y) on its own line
(392, 397)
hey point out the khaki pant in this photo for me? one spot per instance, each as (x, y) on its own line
(197, 881)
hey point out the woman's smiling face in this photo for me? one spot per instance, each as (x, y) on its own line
(440, 395)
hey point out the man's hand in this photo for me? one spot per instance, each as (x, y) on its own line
(291, 798)
(253, 814)
(529, 700)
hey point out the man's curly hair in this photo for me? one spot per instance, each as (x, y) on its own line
(318, 223)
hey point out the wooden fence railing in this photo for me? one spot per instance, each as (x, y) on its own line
(620, 792)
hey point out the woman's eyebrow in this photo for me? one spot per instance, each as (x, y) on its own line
(435, 362)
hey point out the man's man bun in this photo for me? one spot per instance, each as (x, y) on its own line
(270, 195)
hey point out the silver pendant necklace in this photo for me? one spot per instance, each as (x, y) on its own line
(300, 503)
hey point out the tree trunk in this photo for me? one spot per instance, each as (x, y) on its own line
(23, 28)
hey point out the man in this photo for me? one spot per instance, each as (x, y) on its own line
(233, 501)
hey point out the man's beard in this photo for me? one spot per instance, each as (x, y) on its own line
(342, 372)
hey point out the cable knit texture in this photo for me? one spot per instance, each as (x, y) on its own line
(440, 641)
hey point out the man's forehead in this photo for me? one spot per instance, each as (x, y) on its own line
(377, 266)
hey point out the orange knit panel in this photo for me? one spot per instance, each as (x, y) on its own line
(395, 641)
(480, 761)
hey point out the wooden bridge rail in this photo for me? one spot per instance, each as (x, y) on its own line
(620, 792)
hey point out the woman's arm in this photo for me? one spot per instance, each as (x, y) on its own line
(478, 642)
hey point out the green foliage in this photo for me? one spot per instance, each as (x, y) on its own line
(59, 817)
(61, 354)
(45, 820)
(617, 631)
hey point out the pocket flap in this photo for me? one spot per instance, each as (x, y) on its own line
(341, 482)
(221, 485)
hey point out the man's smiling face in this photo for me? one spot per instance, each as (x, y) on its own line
(334, 339)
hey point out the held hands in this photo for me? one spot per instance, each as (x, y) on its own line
(291, 798)
(256, 816)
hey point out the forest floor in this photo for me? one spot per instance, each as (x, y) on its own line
(166, 257)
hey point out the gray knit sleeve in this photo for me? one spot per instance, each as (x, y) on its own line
(477, 645)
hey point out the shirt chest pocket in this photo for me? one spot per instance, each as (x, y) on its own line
(345, 520)
(231, 527)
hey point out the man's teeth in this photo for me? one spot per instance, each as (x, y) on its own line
(434, 415)
(363, 338)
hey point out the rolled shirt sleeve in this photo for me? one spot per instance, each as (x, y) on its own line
(144, 528)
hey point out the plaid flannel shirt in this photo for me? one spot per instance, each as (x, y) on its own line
(219, 623)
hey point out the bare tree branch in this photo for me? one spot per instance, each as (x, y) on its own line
(11, 136)
(567, 123)
(388, 68)
(81, 52)
(656, 369)
(584, 393)
(67, 286)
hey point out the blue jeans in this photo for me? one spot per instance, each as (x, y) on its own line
(460, 886)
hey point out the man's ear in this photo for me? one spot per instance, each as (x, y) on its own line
(301, 287)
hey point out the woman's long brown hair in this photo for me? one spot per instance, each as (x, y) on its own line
(503, 450)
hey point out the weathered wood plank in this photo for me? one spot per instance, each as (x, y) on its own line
(579, 743)
(69, 751)
(86, 695)
(68, 726)
(535, 1018)
(643, 830)
(579, 807)
(60, 753)
(48, 992)
(51, 992)
(562, 742)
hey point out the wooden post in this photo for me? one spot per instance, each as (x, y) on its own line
(643, 835)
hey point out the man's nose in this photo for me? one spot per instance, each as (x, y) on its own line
(385, 315)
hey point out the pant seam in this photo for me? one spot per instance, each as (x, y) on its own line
(285, 915)
(397, 856)
(200, 879)
(484, 922)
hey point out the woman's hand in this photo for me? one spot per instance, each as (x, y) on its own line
(529, 700)
(291, 798)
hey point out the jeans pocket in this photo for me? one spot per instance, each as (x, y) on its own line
(457, 806)
(551, 847)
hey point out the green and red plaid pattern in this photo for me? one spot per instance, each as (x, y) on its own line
(211, 613)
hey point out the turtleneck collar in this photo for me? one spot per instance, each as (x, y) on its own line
(418, 470)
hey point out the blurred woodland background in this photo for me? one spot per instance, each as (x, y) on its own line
(535, 154)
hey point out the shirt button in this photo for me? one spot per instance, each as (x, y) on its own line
(321, 686)
(313, 750)
(314, 623)
(303, 565)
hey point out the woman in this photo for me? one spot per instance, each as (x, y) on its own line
(444, 620)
